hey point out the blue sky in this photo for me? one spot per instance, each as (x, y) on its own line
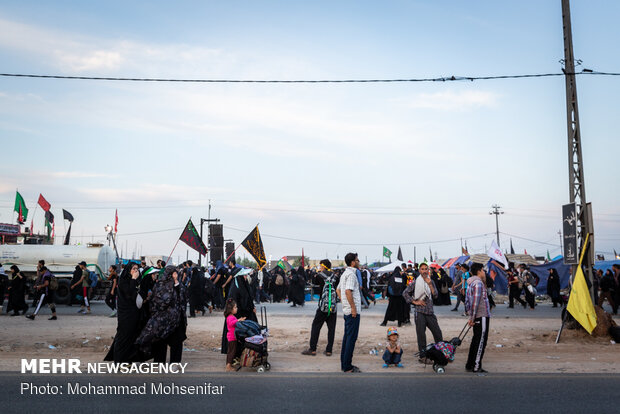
(353, 166)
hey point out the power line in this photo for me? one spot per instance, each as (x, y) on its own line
(452, 78)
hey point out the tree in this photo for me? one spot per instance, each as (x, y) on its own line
(248, 263)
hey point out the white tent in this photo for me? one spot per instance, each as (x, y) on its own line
(391, 266)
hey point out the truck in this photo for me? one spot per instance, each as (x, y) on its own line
(61, 261)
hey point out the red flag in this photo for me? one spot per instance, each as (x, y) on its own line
(302, 258)
(43, 203)
(525, 250)
(53, 229)
(116, 221)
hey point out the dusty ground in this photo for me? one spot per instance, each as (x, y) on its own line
(516, 344)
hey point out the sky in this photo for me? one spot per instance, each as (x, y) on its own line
(328, 168)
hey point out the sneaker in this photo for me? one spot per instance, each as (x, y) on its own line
(31, 317)
(383, 324)
(53, 318)
(308, 352)
(113, 314)
(480, 371)
(399, 365)
(87, 312)
(354, 369)
(454, 310)
(385, 365)
(81, 311)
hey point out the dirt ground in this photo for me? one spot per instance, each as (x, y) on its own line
(516, 345)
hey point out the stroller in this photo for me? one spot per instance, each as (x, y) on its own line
(442, 353)
(252, 339)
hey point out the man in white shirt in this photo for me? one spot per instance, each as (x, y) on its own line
(348, 291)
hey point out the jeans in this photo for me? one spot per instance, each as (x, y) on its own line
(392, 358)
(351, 329)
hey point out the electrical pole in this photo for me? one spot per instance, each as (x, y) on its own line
(577, 189)
(203, 221)
(561, 246)
(496, 211)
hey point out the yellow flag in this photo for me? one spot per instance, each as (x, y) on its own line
(580, 302)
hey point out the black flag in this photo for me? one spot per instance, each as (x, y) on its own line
(400, 254)
(191, 237)
(67, 216)
(254, 245)
(68, 236)
(512, 250)
(49, 216)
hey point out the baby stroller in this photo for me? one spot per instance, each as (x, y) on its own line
(252, 338)
(442, 353)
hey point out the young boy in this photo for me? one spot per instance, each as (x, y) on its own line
(393, 351)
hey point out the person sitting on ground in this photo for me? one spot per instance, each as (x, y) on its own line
(393, 352)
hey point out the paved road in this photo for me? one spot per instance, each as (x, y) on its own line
(543, 310)
(337, 392)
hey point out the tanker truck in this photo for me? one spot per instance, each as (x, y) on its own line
(61, 261)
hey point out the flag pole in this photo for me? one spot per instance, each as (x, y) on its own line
(170, 256)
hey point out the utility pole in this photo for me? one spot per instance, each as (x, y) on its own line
(496, 211)
(577, 189)
(203, 221)
(561, 246)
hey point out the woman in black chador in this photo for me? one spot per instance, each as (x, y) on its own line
(240, 292)
(123, 348)
(16, 292)
(296, 292)
(168, 323)
(553, 288)
(396, 303)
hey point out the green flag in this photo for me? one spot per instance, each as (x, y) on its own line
(387, 252)
(20, 208)
(548, 257)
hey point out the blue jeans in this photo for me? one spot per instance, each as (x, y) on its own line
(351, 329)
(392, 358)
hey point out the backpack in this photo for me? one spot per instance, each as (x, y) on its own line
(92, 276)
(53, 282)
(327, 302)
(279, 280)
(245, 329)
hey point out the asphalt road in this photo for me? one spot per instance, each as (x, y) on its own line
(543, 310)
(337, 392)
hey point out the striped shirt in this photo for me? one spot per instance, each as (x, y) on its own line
(348, 281)
(476, 299)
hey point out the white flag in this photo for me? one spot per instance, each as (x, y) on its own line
(496, 254)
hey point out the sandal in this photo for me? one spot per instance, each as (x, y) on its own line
(326, 353)
(308, 352)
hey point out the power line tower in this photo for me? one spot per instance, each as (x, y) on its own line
(496, 211)
(577, 187)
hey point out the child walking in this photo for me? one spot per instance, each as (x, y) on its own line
(393, 352)
(231, 321)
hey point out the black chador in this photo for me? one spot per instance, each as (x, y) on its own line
(129, 319)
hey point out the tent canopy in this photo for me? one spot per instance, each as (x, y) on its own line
(391, 266)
